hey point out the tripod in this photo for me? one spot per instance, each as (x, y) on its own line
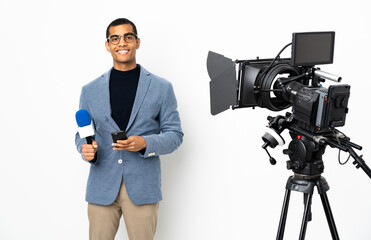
(305, 152)
(306, 186)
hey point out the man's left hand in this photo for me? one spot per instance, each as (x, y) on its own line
(133, 144)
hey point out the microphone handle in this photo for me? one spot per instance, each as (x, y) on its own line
(89, 140)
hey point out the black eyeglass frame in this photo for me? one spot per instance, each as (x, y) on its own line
(124, 36)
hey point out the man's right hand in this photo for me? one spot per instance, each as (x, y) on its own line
(89, 150)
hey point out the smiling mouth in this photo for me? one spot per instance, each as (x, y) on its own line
(122, 52)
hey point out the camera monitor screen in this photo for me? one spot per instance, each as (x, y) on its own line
(312, 48)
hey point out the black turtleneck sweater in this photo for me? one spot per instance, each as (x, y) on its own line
(123, 87)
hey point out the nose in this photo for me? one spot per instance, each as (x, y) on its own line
(122, 41)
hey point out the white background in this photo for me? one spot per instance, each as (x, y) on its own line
(219, 184)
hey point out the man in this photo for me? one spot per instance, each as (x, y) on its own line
(125, 177)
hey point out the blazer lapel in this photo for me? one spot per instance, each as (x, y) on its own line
(106, 100)
(143, 84)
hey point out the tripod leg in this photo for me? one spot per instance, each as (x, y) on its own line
(304, 223)
(282, 224)
(329, 216)
(310, 208)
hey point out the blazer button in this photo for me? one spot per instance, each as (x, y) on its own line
(119, 161)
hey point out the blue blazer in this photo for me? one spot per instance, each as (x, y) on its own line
(154, 116)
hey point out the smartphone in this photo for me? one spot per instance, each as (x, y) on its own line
(121, 135)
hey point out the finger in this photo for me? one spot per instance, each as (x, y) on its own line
(93, 145)
(87, 146)
(132, 148)
(89, 158)
(88, 150)
(126, 147)
(120, 148)
(89, 154)
(121, 145)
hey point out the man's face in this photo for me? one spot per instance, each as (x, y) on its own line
(123, 53)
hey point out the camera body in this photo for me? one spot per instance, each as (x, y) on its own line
(315, 108)
(318, 109)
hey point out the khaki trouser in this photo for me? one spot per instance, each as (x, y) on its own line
(140, 220)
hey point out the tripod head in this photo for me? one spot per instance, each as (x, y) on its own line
(306, 148)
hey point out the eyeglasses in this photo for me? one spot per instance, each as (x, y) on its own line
(128, 37)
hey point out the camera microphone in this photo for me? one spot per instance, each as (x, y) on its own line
(86, 129)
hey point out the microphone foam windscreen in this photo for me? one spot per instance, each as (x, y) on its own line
(83, 118)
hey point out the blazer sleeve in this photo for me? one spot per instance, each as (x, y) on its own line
(171, 134)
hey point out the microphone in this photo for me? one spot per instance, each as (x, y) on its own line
(86, 129)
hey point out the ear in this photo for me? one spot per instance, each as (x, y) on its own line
(107, 47)
(138, 43)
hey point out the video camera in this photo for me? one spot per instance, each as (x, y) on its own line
(278, 83)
